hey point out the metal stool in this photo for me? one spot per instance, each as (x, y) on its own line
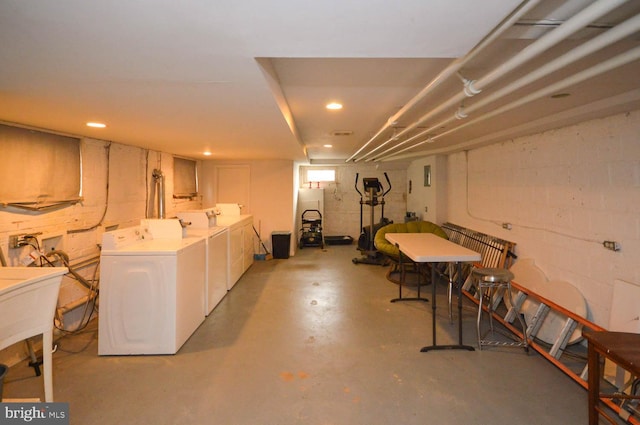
(489, 281)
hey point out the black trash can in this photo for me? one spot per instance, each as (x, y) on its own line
(280, 243)
(3, 371)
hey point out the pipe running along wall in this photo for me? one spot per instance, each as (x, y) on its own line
(158, 177)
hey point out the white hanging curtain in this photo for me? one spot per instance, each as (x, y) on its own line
(38, 170)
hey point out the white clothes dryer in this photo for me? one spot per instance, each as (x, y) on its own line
(203, 223)
(151, 292)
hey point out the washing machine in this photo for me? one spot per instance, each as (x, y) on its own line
(151, 289)
(203, 223)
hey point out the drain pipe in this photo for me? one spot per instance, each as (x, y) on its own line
(568, 28)
(615, 62)
(450, 70)
(159, 180)
(628, 27)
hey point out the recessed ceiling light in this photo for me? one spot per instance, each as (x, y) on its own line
(328, 146)
(206, 153)
(96, 125)
(334, 105)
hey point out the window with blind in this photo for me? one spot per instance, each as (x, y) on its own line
(38, 170)
(185, 178)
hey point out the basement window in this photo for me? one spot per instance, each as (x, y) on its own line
(321, 175)
(38, 170)
(185, 178)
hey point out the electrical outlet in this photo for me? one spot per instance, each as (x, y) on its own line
(18, 241)
(13, 241)
(22, 239)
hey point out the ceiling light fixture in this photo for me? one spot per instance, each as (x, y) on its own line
(96, 125)
(206, 153)
(334, 106)
(328, 146)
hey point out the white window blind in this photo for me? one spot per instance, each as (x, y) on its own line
(38, 169)
(185, 181)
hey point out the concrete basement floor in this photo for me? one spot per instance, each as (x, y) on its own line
(312, 339)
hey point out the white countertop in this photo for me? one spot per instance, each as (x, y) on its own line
(231, 220)
(430, 248)
(155, 246)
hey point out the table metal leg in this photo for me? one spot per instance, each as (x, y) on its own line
(434, 345)
(400, 297)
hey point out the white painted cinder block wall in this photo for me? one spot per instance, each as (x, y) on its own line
(79, 227)
(428, 199)
(342, 202)
(564, 192)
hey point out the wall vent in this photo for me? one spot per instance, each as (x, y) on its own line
(342, 133)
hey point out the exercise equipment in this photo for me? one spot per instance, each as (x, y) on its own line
(373, 196)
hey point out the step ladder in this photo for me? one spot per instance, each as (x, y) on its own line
(555, 352)
(497, 252)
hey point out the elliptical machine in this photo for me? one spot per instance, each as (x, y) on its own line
(373, 196)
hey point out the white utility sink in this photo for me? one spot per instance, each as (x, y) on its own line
(28, 298)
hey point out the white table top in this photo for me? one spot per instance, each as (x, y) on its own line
(430, 248)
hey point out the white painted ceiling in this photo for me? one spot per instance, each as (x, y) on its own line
(248, 79)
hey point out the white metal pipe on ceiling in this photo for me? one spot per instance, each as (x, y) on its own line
(628, 27)
(626, 98)
(577, 22)
(615, 62)
(453, 68)
(565, 30)
(568, 28)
